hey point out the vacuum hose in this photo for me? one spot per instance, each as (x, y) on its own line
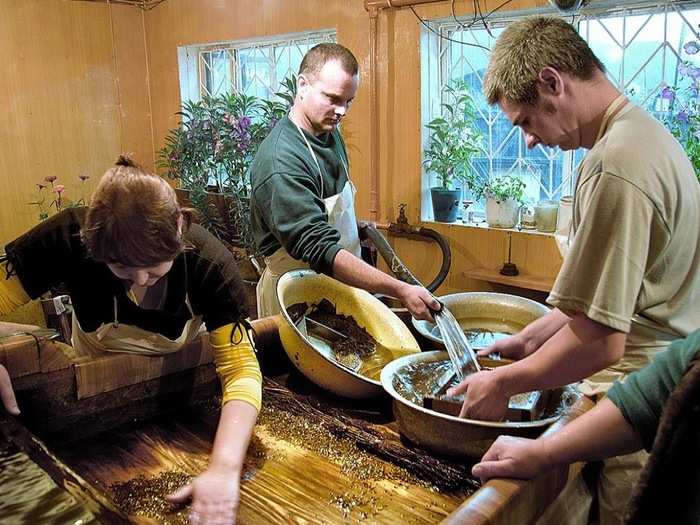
(397, 267)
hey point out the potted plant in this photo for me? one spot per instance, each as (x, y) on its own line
(454, 141)
(209, 154)
(504, 197)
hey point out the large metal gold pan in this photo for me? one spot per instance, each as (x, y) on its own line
(497, 312)
(450, 435)
(306, 286)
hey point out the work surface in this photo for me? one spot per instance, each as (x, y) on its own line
(303, 466)
(314, 458)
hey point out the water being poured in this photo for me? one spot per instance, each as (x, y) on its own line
(460, 351)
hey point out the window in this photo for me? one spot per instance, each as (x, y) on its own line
(642, 49)
(251, 67)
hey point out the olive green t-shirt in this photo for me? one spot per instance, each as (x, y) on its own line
(634, 260)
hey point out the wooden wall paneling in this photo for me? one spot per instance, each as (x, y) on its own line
(132, 79)
(61, 113)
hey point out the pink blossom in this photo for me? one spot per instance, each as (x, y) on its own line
(50, 178)
(58, 188)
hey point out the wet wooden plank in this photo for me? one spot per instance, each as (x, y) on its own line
(64, 476)
(283, 482)
(111, 372)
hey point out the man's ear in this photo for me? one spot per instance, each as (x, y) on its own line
(302, 84)
(551, 81)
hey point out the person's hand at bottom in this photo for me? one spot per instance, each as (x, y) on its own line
(215, 497)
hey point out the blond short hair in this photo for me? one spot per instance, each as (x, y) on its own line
(525, 48)
(319, 55)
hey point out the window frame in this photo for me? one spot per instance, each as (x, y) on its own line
(436, 69)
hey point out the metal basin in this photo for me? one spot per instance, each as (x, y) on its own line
(392, 335)
(454, 436)
(498, 314)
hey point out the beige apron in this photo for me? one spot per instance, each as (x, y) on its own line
(340, 209)
(123, 338)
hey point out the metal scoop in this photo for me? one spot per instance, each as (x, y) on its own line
(323, 337)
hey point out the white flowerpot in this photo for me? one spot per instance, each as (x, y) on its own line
(502, 214)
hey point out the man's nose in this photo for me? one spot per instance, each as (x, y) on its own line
(341, 109)
(531, 140)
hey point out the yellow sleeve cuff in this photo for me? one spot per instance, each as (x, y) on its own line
(12, 294)
(236, 365)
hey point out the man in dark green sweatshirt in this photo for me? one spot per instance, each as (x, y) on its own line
(302, 204)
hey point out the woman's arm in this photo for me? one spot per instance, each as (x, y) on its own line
(12, 295)
(215, 492)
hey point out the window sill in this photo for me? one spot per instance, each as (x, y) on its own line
(485, 226)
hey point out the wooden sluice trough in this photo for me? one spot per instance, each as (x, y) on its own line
(114, 430)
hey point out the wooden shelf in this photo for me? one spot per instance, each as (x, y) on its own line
(531, 282)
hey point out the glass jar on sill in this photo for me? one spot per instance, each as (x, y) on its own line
(546, 216)
(527, 218)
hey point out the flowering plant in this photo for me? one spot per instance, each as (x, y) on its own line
(682, 104)
(212, 150)
(49, 188)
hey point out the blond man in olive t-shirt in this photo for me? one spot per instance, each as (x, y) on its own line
(630, 281)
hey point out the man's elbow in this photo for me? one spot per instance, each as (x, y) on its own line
(609, 342)
(613, 347)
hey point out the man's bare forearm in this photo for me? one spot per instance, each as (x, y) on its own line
(577, 350)
(534, 335)
(613, 436)
(355, 272)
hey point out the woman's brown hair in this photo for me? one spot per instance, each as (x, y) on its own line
(134, 218)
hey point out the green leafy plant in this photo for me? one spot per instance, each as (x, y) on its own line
(500, 187)
(211, 151)
(683, 106)
(454, 137)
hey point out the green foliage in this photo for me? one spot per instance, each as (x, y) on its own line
(212, 149)
(501, 187)
(454, 137)
(683, 112)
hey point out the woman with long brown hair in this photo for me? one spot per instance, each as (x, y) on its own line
(143, 279)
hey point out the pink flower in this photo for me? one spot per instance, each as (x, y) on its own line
(58, 188)
(50, 178)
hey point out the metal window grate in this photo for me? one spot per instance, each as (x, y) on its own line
(254, 68)
(641, 48)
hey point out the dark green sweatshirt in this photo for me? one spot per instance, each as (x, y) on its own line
(287, 204)
(642, 396)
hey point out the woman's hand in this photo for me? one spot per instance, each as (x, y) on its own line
(7, 393)
(215, 497)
